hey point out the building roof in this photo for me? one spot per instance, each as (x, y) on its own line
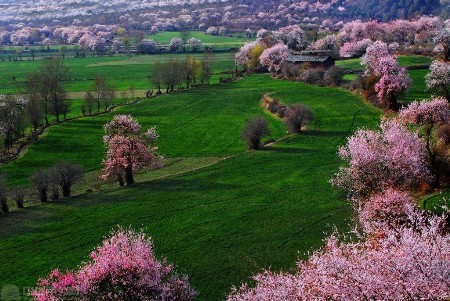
(307, 58)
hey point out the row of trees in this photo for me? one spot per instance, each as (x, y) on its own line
(295, 117)
(52, 182)
(46, 96)
(173, 73)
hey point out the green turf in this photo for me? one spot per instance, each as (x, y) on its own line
(404, 60)
(219, 224)
(218, 42)
(116, 69)
(418, 90)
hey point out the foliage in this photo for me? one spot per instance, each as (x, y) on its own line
(124, 267)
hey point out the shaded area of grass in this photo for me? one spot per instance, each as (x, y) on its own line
(219, 224)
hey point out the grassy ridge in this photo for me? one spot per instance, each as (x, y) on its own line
(219, 224)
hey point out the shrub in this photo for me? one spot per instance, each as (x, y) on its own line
(296, 117)
(65, 175)
(254, 130)
(313, 76)
(41, 181)
(4, 206)
(19, 196)
(333, 76)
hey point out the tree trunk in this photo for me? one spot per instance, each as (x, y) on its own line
(43, 195)
(121, 180)
(66, 190)
(129, 175)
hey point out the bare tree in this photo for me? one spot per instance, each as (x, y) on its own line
(206, 66)
(18, 194)
(190, 67)
(103, 92)
(41, 181)
(89, 101)
(38, 107)
(4, 205)
(65, 175)
(254, 130)
(12, 123)
(156, 77)
(47, 81)
(296, 117)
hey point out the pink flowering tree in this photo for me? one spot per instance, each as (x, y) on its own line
(127, 149)
(249, 55)
(124, 267)
(393, 80)
(373, 53)
(438, 79)
(273, 57)
(443, 40)
(427, 115)
(292, 36)
(388, 209)
(392, 157)
(400, 263)
(354, 48)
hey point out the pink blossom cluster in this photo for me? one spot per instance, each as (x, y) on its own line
(127, 150)
(401, 263)
(124, 267)
(393, 79)
(243, 55)
(354, 48)
(292, 36)
(432, 112)
(438, 79)
(273, 57)
(377, 160)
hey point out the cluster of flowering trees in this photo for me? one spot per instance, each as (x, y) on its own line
(401, 252)
(127, 149)
(271, 48)
(391, 79)
(124, 267)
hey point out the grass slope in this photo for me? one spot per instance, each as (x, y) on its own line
(219, 224)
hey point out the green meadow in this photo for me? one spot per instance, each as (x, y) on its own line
(121, 71)
(220, 213)
(217, 42)
(217, 211)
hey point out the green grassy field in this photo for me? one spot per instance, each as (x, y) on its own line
(404, 60)
(218, 42)
(219, 223)
(115, 68)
